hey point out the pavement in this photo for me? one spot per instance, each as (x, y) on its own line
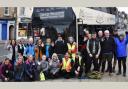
(3, 52)
(105, 78)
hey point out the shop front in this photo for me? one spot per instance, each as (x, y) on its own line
(24, 28)
(7, 29)
(94, 20)
(53, 20)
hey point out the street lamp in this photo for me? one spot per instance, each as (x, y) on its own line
(77, 23)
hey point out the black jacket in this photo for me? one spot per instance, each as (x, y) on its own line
(21, 49)
(19, 72)
(108, 46)
(60, 47)
(30, 69)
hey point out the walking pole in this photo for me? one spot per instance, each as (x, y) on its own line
(77, 35)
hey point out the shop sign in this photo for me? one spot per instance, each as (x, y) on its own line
(52, 15)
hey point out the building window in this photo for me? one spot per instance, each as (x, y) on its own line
(22, 11)
(6, 11)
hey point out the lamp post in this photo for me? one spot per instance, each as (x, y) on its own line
(77, 37)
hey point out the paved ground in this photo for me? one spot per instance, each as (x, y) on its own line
(106, 77)
(3, 52)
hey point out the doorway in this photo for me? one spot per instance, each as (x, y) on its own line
(11, 32)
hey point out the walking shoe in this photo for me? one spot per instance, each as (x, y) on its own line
(119, 73)
(113, 70)
(106, 70)
(110, 74)
(102, 73)
(124, 74)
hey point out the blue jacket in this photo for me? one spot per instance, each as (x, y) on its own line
(30, 50)
(121, 46)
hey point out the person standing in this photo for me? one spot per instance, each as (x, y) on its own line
(60, 47)
(115, 35)
(49, 48)
(72, 49)
(121, 52)
(93, 49)
(83, 50)
(108, 48)
(20, 47)
(39, 50)
(43, 35)
(30, 49)
(12, 48)
(100, 37)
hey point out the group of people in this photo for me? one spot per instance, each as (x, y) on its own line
(101, 48)
(48, 59)
(45, 59)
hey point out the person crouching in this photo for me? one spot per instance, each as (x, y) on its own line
(6, 72)
(43, 67)
(19, 70)
(67, 63)
(78, 66)
(54, 66)
(30, 69)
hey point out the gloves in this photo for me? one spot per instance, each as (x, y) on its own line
(126, 32)
(90, 55)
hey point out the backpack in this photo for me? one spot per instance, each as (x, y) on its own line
(42, 76)
(94, 75)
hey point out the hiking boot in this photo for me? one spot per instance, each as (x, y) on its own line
(106, 70)
(124, 74)
(119, 73)
(113, 70)
(102, 73)
(110, 74)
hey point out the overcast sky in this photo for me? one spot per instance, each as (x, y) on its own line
(125, 9)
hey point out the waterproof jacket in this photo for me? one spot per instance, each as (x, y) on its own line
(54, 66)
(30, 68)
(30, 50)
(6, 71)
(43, 66)
(50, 50)
(121, 46)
